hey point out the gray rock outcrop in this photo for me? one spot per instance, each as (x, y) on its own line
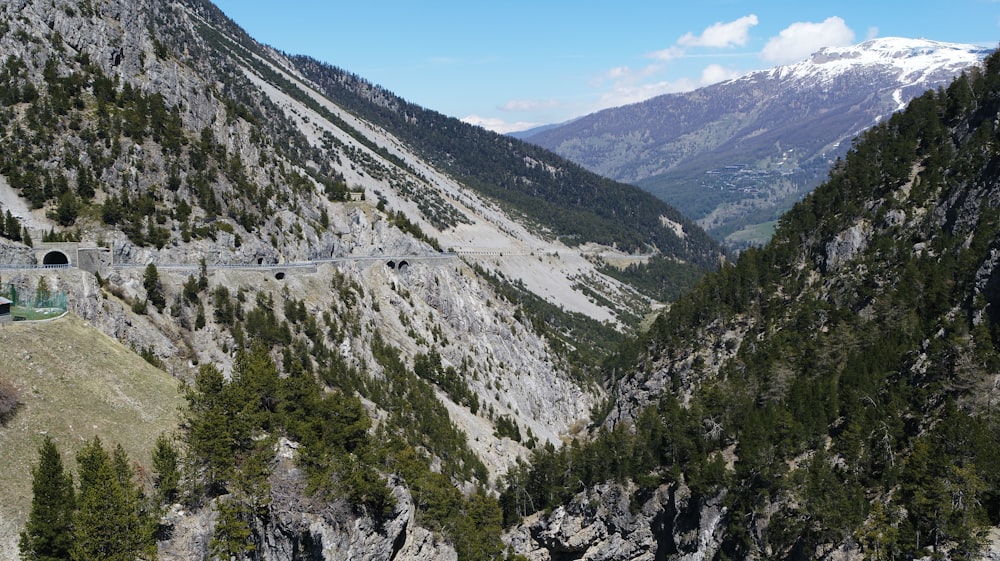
(297, 527)
(600, 525)
(15, 254)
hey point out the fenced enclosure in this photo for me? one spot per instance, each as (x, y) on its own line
(32, 304)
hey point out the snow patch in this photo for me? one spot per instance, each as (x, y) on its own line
(912, 60)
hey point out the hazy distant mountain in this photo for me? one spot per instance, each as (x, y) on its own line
(526, 134)
(741, 151)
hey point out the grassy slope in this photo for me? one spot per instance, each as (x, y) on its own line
(74, 383)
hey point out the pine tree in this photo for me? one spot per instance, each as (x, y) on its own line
(48, 532)
(138, 524)
(166, 465)
(67, 210)
(202, 275)
(42, 292)
(12, 226)
(477, 536)
(110, 522)
(214, 433)
(154, 290)
(232, 536)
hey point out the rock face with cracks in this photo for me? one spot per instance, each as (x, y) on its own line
(306, 530)
(613, 522)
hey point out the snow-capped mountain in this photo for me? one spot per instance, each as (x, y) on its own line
(915, 63)
(739, 152)
(910, 57)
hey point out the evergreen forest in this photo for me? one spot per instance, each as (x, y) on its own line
(832, 392)
(827, 393)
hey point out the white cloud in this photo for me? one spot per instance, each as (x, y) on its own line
(529, 104)
(670, 53)
(625, 92)
(625, 76)
(799, 40)
(619, 72)
(715, 73)
(498, 125)
(634, 85)
(721, 34)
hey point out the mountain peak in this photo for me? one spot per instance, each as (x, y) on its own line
(913, 58)
(903, 47)
(733, 155)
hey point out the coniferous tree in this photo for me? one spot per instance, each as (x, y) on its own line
(166, 465)
(42, 292)
(154, 290)
(202, 275)
(214, 432)
(48, 532)
(12, 226)
(232, 535)
(67, 210)
(110, 522)
(479, 526)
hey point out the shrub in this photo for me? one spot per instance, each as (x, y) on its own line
(9, 400)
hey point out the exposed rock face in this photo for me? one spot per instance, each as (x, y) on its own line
(337, 534)
(15, 254)
(679, 369)
(847, 244)
(298, 528)
(600, 524)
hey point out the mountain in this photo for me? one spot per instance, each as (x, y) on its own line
(831, 395)
(736, 154)
(526, 134)
(398, 336)
(374, 309)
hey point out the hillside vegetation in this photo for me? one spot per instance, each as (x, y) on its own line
(556, 195)
(390, 392)
(74, 383)
(835, 391)
(830, 393)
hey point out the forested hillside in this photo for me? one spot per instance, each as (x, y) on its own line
(834, 392)
(346, 380)
(829, 395)
(557, 195)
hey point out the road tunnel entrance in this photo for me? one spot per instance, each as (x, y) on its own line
(55, 257)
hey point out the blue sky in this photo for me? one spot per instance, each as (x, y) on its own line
(518, 64)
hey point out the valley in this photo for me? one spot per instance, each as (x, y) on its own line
(741, 152)
(308, 319)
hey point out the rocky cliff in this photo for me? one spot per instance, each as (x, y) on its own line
(295, 527)
(616, 522)
(161, 132)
